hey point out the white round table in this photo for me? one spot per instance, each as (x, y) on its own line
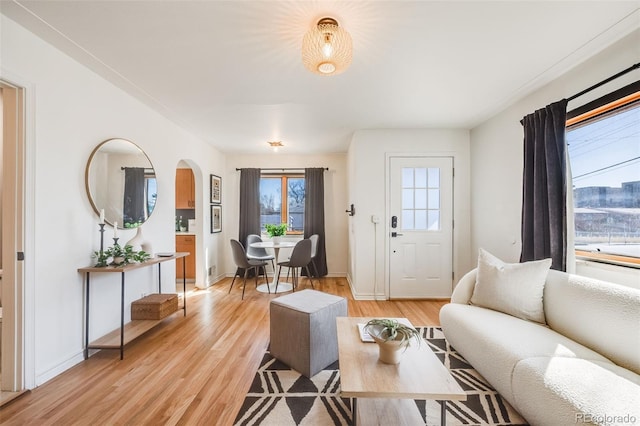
(283, 287)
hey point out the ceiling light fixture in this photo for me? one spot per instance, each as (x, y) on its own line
(327, 48)
(275, 145)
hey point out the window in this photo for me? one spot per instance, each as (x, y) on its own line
(420, 198)
(604, 151)
(282, 201)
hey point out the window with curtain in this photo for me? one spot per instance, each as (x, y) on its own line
(282, 201)
(603, 140)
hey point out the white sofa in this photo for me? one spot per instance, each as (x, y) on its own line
(582, 367)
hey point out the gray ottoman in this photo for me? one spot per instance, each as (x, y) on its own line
(303, 329)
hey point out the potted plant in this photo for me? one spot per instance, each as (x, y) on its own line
(120, 256)
(392, 337)
(276, 231)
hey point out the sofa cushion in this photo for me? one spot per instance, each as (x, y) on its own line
(494, 342)
(512, 288)
(575, 391)
(598, 314)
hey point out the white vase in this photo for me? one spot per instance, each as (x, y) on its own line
(390, 351)
(276, 240)
(137, 240)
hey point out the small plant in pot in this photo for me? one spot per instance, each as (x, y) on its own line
(392, 337)
(275, 231)
(121, 256)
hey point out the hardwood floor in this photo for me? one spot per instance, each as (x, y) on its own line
(188, 370)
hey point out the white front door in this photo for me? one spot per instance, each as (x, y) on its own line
(421, 228)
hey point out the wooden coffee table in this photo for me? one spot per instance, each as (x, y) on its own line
(383, 394)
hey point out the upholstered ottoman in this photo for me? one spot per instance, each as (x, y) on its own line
(303, 329)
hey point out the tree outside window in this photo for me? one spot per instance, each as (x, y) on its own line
(282, 201)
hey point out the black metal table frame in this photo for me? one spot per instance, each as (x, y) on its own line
(122, 280)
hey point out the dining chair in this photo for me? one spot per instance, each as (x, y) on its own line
(314, 252)
(257, 253)
(242, 262)
(300, 258)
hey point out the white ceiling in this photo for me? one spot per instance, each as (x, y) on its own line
(231, 72)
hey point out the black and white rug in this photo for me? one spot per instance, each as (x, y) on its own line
(280, 396)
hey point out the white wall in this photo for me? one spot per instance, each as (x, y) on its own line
(335, 198)
(74, 110)
(497, 153)
(367, 159)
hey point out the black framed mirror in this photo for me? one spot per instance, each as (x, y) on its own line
(121, 180)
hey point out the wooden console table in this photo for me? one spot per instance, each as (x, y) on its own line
(127, 332)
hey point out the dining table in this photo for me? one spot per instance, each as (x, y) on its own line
(283, 287)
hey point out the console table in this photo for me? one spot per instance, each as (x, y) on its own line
(127, 332)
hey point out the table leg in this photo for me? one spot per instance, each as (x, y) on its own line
(122, 319)
(271, 288)
(184, 285)
(354, 411)
(86, 322)
(443, 413)
(159, 279)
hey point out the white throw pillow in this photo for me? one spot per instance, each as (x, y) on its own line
(513, 288)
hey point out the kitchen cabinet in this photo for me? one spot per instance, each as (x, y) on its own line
(185, 189)
(186, 243)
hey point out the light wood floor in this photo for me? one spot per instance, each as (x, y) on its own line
(188, 370)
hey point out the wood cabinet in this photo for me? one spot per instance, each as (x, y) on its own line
(185, 189)
(186, 243)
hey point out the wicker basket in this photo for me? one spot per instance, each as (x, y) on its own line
(154, 307)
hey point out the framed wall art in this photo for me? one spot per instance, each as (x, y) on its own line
(216, 189)
(216, 219)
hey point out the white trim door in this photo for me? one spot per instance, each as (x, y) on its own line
(421, 227)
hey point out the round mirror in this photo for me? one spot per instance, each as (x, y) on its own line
(120, 180)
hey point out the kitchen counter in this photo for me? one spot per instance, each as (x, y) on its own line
(185, 233)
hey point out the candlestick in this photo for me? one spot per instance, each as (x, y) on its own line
(115, 241)
(101, 237)
(102, 216)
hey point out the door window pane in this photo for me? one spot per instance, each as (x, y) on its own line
(421, 177)
(407, 177)
(434, 220)
(421, 219)
(434, 177)
(407, 199)
(434, 198)
(421, 198)
(420, 206)
(407, 220)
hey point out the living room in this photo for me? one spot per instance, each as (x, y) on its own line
(70, 108)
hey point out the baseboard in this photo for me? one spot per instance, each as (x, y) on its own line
(42, 378)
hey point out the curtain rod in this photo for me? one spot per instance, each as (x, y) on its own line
(146, 169)
(605, 81)
(282, 168)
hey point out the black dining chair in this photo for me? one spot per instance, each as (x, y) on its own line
(300, 258)
(242, 262)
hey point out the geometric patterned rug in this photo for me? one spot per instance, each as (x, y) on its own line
(280, 396)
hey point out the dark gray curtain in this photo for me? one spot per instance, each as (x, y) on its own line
(249, 204)
(134, 200)
(314, 213)
(544, 186)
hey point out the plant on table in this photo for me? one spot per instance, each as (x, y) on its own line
(391, 336)
(276, 230)
(120, 256)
